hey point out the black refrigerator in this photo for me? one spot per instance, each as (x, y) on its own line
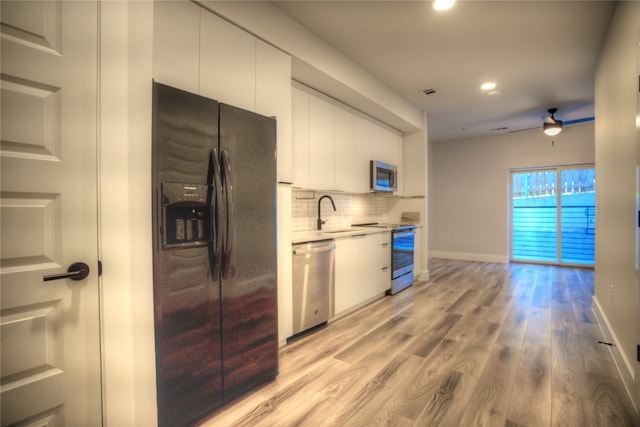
(214, 253)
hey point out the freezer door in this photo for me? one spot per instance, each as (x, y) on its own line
(186, 297)
(249, 284)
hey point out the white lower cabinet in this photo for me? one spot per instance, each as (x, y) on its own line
(384, 262)
(357, 274)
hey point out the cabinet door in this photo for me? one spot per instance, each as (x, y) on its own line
(384, 261)
(396, 141)
(176, 44)
(417, 254)
(300, 136)
(227, 62)
(273, 98)
(321, 146)
(348, 177)
(365, 151)
(386, 145)
(347, 292)
(368, 263)
(375, 139)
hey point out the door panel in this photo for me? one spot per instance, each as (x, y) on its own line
(50, 330)
(578, 217)
(186, 296)
(534, 212)
(249, 282)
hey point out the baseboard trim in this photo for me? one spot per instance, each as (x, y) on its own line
(469, 256)
(625, 368)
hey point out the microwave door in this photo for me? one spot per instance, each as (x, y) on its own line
(383, 176)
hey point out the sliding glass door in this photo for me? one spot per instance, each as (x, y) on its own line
(553, 215)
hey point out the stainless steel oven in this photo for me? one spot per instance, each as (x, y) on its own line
(403, 241)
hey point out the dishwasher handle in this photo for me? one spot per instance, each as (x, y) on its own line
(304, 251)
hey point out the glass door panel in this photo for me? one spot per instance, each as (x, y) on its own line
(534, 213)
(578, 219)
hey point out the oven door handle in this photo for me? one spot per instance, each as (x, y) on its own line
(403, 233)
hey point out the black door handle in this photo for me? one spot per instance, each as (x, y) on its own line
(76, 271)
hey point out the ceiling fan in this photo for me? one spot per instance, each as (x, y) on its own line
(552, 126)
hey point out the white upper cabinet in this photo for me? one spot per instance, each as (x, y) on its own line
(273, 98)
(348, 167)
(300, 136)
(321, 143)
(197, 51)
(333, 144)
(227, 62)
(176, 44)
(365, 131)
(386, 147)
(376, 133)
(396, 142)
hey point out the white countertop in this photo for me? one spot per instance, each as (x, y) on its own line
(315, 235)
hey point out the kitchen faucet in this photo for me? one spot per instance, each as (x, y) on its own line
(320, 221)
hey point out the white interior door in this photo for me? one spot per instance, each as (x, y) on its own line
(50, 330)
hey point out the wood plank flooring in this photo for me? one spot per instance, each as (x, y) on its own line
(479, 344)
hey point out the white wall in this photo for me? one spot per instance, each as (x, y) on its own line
(615, 139)
(128, 352)
(468, 200)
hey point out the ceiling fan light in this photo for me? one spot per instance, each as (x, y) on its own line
(552, 129)
(551, 125)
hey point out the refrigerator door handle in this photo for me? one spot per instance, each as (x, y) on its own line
(228, 188)
(219, 215)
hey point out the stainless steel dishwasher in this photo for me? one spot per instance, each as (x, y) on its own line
(313, 284)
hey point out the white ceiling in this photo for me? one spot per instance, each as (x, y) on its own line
(541, 54)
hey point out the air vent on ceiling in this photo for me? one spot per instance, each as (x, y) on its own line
(429, 91)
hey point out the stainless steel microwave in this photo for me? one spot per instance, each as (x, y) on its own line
(384, 176)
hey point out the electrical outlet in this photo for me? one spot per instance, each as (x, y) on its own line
(487, 241)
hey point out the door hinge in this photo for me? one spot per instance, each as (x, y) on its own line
(99, 268)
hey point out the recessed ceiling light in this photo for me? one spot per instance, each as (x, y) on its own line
(488, 86)
(443, 4)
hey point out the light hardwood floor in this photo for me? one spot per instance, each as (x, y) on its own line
(479, 344)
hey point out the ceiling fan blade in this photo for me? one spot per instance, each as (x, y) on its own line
(576, 121)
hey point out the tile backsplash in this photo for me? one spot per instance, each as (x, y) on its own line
(350, 209)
